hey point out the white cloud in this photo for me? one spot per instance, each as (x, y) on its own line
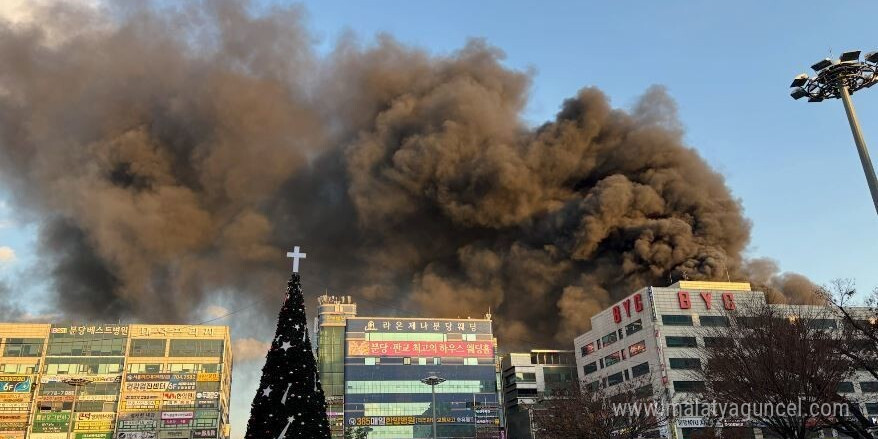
(7, 255)
(249, 349)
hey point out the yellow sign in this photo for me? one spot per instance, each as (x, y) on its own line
(13, 417)
(704, 285)
(140, 405)
(208, 376)
(177, 330)
(14, 397)
(94, 421)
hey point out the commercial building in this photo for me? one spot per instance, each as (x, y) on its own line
(386, 360)
(649, 334)
(655, 334)
(114, 381)
(332, 312)
(528, 379)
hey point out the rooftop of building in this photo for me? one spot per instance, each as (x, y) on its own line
(710, 285)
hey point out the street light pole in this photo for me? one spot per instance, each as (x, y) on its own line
(77, 383)
(839, 79)
(861, 143)
(433, 381)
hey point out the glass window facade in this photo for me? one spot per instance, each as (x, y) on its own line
(386, 359)
(148, 347)
(196, 348)
(23, 347)
(677, 320)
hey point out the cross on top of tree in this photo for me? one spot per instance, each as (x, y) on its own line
(296, 254)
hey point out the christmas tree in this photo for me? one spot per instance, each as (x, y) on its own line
(290, 402)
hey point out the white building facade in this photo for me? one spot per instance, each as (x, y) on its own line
(649, 334)
(655, 333)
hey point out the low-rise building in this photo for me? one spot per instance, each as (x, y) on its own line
(529, 378)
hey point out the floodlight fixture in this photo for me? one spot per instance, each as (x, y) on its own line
(798, 93)
(800, 80)
(853, 55)
(822, 64)
(838, 79)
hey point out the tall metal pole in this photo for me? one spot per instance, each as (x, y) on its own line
(72, 410)
(861, 143)
(433, 390)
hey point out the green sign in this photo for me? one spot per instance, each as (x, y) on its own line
(53, 422)
(94, 436)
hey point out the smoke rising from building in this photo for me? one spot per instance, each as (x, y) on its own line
(173, 155)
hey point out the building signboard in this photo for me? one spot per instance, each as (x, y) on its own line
(178, 415)
(444, 326)
(207, 395)
(208, 376)
(364, 348)
(91, 329)
(140, 405)
(48, 435)
(137, 425)
(91, 378)
(51, 422)
(136, 435)
(109, 398)
(161, 377)
(94, 421)
(176, 331)
(147, 386)
(13, 426)
(408, 420)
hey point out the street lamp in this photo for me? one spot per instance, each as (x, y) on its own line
(433, 381)
(77, 383)
(839, 79)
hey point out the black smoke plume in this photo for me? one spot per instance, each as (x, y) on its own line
(174, 152)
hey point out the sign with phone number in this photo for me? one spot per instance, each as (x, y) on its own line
(408, 420)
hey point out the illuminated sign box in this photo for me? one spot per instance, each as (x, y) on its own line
(360, 348)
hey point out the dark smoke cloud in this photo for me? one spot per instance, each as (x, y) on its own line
(175, 154)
